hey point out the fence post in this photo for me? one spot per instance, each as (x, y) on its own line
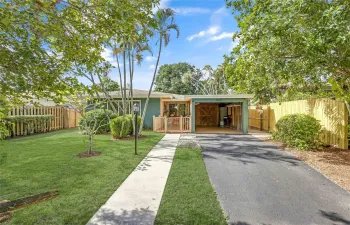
(165, 124)
(181, 123)
(154, 123)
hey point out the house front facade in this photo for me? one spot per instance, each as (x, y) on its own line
(168, 112)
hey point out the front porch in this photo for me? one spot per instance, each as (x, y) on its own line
(174, 116)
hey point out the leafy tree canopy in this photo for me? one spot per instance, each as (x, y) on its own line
(45, 45)
(286, 47)
(170, 79)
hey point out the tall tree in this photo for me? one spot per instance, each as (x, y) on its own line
(164, 25)
(286, 47)
(45, 45)
(209, 81)
(171, 79)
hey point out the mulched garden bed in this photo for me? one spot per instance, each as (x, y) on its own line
(129, 138)
(332, 162)
(87, 154)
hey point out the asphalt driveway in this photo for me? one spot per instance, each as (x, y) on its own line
(257, 183)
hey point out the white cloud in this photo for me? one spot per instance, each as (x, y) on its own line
(210, 31)
(163, 4)
(233, 44)
(151, 67)
(223, 35)
(218, 15)
(191, 10)
(150, 58)
(107, 54)
(219, 48)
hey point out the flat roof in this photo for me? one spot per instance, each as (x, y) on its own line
(245, 96)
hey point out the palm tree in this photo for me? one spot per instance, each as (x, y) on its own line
(164, 25)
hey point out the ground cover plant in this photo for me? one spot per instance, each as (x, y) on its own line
(188, 197)
(36, 164)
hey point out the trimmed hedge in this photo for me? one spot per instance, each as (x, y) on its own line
(31, 123)
(117, 124)
(103, 117)
(298, 130)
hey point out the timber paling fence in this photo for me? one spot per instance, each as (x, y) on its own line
(332, 114)
(30, 120)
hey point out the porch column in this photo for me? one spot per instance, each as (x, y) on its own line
(245, 117)
(193, 119)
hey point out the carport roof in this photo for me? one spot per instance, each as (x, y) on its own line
(241, 96)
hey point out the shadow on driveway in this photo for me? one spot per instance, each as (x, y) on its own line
(257, 183)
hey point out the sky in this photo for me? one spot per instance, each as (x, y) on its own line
(206, 29)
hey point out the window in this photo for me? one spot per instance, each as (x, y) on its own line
(129, 108)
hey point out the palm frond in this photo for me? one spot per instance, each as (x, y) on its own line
(166, 38)
(175, 27)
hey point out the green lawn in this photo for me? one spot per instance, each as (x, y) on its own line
(189, 197)
(46, 162)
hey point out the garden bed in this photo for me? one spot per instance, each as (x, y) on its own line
(332, 162)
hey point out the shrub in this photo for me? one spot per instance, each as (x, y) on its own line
(131, 123)
(298, 130)
(116, 126)
(102, 117)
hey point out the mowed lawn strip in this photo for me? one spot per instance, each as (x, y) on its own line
(40, 163)
(188, 197)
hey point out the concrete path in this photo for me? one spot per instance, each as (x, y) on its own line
(257, 183)
(137, 200)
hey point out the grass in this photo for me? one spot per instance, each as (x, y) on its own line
(40, 163)
(189, 197)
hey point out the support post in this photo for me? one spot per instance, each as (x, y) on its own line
(181, 119)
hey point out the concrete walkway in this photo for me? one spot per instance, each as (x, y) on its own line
(137, 200)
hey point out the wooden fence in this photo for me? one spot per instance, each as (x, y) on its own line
(63, 118)
(332, 114)
(172, 124)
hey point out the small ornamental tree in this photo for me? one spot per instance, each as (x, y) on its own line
(90, 127)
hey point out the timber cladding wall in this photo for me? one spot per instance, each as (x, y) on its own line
(332, 114)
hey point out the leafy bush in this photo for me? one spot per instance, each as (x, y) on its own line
(4, 131)
(32, 124)
(298, 130)
(131, 123)
(102, 116)
(117, 123)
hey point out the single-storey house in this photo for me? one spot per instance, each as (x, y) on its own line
(168, 112)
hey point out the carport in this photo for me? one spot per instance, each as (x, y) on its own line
(219, 113)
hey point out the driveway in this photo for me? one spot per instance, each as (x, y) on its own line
(257, 183)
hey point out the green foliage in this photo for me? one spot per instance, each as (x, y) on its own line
(171, 79)
(122, 126)
(130, 116)
(47, 44)
(299, 130)
(102, 117)
(287, 47)
(109, 84)
(32, 124)
(4, 131)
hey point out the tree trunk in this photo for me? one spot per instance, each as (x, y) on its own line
(91, 143)
(121, 84)
(131, 71)
(150, 89)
